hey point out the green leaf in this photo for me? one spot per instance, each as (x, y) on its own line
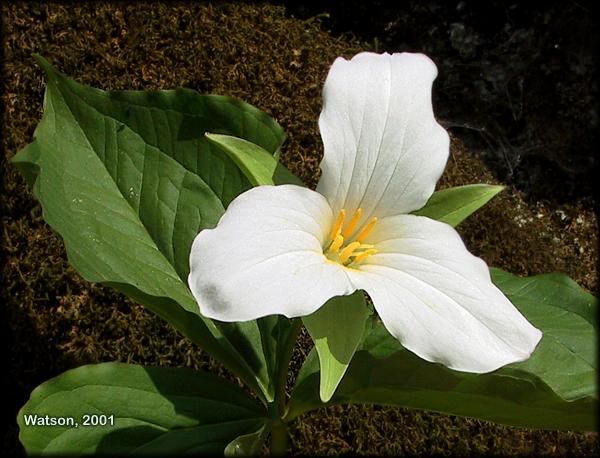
(337, 329)
(258, 164)
(248, 444)
(454, 205)
(27, 161)
(554, 290)
(265, 345)
(566, 357)
(146, 411)
(554, 389)
(153, 144)
(128, 179)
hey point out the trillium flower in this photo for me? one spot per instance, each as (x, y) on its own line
(287, 249)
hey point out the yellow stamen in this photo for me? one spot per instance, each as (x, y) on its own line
(347, 252)
(338, 241)
(366, 230)
(364, 255)
(352, 224)
(338, 224)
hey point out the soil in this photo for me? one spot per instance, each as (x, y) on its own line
(54, 320)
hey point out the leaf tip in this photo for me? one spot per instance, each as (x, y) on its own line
(215, 138)
(44, 64)
(325, 394)
(497, 188)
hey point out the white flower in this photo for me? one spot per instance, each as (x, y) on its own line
(287, 249)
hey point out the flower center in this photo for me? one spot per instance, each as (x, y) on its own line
(349, 251)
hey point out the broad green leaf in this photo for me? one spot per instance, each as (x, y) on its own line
(128, 179)
(27, 161)
(337, 329)
(165, 129)
(537, 393)
(566, 357)
(554, 290)
(164, 411)
(454, 205)
(265, 344)
(258, 164)
(248, 444)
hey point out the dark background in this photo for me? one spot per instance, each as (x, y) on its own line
(517, 79)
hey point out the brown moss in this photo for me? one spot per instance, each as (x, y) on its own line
(56, 321)
(526, 238)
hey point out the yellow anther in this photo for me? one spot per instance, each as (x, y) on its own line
(338, 224)
(352, 224)
(347, 252)
(356, 251)
(366, 230)
(338, 241)
(364, 255)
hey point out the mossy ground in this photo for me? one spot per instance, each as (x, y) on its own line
(54, 320)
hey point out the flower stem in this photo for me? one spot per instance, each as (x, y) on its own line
(279, 439)
(278, 409)
(284, 364)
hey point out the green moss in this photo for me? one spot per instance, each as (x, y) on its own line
(56, 321)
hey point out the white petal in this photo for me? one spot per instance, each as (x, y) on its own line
(438, 299)
(384, 150)
(265, 257)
